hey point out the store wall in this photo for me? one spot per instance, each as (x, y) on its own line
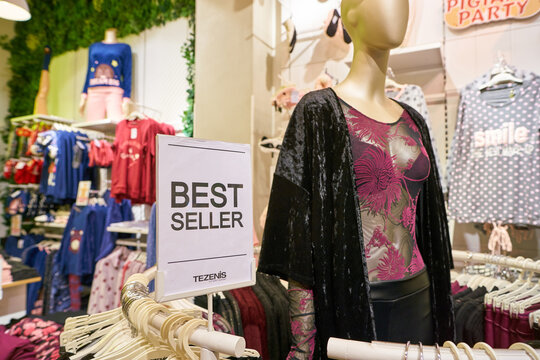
(235, 79)
(159, 75)
(468, 53)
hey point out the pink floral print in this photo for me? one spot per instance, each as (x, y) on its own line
(388, 191)
(408, 217)
(377, 180)
(373, 132)
(392, 266)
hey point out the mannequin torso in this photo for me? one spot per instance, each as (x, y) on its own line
(109, 39)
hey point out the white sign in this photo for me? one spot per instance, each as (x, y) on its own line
(204, 217)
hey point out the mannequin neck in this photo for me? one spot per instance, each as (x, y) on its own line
(364, 87)
(110, 37)
(367, 76)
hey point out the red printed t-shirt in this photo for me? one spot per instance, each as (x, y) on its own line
(149, 172)
(131, 167)
(150, 189)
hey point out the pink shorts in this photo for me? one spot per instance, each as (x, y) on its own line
(104, 102)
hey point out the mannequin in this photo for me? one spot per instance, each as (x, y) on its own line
(108, 82)
(40, 103)
(375, 27)
(110, 36)
(319, 229)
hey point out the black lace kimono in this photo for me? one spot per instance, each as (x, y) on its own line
(313, 233)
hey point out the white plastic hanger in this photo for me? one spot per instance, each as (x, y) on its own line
(497, 300)
(488, 299)
(501, 74)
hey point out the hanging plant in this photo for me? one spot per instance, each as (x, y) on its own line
(69, 25)
(188, 53)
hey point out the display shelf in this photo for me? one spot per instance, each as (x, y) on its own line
(127, 230)
(51, 225)
(53, 236)
(106, 126)
(39, 117)
(129, 227)
(23, 186)
(135, 243)
(414, 58)
(438, 98)
(21, 282)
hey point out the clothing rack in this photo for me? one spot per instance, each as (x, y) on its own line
(49, 119)
(210, 340)
(359, 350)
(92, 134)
(473, 257)
(53, 236)
(126, 242)
(23, 186)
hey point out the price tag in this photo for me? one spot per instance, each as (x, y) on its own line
(20, 243)
(83, 193)
(133, 133)
(16, 225)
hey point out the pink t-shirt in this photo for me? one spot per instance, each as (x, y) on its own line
(390, 165)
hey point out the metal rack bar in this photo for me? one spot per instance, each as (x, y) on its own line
(472, 257)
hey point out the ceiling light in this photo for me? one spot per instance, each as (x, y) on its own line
(16, 10)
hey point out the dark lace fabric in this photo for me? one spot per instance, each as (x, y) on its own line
(390, 165)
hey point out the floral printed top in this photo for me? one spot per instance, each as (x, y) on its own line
(390, 165)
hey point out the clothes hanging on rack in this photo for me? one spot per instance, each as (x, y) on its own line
(116, 212)
(59, 299)
(65, 163)
(100, 154)
(21, 139)
(35, 256)
(133, 170)
(80, 242)
(494, 171)
(259, 313)
(81, 239)
(109, 277)
(491, 310)
(165, 330)
(23, 171)
(26, 202)
(15, 245)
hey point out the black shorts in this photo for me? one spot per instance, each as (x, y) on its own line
(403, 310)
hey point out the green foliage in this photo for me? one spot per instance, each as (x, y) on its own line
(188, 53)
(67, 25)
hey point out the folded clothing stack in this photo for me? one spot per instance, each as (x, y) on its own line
(15, 348)
(6, 271)
(19, 271)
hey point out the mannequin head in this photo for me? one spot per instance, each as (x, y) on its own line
(379, 24)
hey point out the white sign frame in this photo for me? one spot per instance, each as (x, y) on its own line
(193, 161)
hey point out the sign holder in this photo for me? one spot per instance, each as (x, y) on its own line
(204, 220)
(205, 353)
